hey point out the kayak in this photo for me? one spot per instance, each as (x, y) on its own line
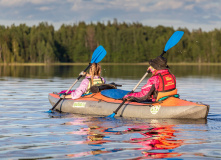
(103, 105)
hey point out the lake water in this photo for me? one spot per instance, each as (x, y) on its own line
(27, 131)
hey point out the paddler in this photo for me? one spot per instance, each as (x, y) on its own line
(161, 81)
(92, 78)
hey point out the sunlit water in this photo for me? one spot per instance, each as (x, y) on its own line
(27, 131)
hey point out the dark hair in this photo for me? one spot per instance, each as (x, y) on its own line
(159, 63)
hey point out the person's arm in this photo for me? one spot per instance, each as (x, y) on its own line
(145, 89)
(81, 89)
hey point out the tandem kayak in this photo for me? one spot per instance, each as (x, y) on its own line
(103, 105)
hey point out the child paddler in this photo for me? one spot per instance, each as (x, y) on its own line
(92, 78)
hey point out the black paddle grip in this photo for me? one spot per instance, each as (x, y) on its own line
(120, 106)
(56, 104)
(162, 53)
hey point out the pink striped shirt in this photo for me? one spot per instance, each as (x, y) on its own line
(83, 87)
(146, 88)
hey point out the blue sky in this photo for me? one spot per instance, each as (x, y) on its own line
(192, 14)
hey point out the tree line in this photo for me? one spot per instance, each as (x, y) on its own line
(124, 43)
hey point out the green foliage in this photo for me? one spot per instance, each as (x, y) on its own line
(124, 43)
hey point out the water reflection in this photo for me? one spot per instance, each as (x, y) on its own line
(27, 132)
(150, 139)
(108, 71)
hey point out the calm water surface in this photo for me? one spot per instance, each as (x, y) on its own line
(27, 131)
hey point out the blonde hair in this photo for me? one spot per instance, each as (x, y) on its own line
(95, 70)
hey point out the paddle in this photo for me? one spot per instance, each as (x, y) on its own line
(97, 56)
(115, 112)
(174, 39)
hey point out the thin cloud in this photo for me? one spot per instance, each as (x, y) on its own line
(44, 8)
(190, 13)
(13, 3)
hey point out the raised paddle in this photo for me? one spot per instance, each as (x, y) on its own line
(174, 39)
(97, 56)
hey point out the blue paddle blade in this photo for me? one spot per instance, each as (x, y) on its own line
(174, 39)
(98, 54)
(112, 115)
(49, 111)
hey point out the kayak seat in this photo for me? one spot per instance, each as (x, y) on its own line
(164, 95)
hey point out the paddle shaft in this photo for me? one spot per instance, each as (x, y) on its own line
(131, 92)
(78, 78)
(71, 86)
(162, 53)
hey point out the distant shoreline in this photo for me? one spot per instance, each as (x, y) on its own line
(75, 64)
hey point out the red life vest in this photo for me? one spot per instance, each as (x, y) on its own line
(167, 82)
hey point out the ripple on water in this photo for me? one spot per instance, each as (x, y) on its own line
(29, 132)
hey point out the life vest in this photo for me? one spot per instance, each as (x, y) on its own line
(96, 81)
(167, 82)
(167, 85)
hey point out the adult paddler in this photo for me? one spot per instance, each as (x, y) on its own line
(161, 81)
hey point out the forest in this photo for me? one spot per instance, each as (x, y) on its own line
(124, 43)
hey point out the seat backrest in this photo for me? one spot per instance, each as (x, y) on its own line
(164, 94)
